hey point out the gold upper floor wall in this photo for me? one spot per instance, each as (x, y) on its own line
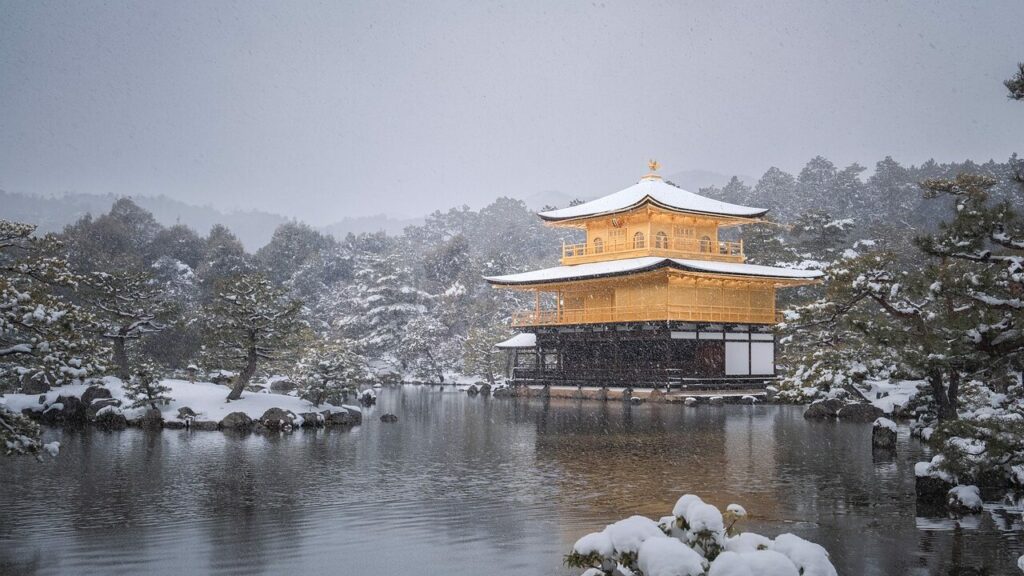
(651, 231)
(653, 296)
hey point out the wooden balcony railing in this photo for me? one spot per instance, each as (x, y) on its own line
(709, 313)
(674, 248)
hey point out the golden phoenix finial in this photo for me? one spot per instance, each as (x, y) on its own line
(653, 165)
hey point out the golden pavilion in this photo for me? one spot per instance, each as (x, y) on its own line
(652, 297)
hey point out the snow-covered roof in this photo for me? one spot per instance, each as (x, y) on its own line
(521, 340)
(658, 192)
(646, 263)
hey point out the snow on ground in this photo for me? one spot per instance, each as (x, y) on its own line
(208, 400)
(895, 393)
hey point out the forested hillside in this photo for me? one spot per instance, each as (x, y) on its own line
(415, 304)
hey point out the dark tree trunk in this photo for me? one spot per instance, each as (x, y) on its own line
(242, 380)
(490, 367)
(946, 400)
(121, 358)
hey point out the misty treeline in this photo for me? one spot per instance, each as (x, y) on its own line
(121, 294)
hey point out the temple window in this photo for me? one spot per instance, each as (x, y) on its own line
(598, 246)
(638, 240)
(661, 240)
(705, 244)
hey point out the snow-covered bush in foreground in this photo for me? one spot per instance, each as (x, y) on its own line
(697, 540)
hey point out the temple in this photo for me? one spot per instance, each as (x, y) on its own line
(653, 297)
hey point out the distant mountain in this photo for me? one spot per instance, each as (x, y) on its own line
(694, 180)
(370, 224)
(53, 213)
(253, 227)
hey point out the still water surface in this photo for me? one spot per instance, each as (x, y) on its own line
(471, 486)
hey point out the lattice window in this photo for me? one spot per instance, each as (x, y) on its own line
(661, 240)
(638, 240)
(681, 231)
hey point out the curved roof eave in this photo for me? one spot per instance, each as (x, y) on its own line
(648, 264)
(648, 200)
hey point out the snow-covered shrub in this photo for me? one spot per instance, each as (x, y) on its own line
(19, 435)
(328, 371)
(367, 397)
(145, 389)
(694, 541)
(981, 449)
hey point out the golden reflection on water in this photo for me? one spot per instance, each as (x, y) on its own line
(638, 460)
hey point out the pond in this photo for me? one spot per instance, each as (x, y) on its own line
(468, 486)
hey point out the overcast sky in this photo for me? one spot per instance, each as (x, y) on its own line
(322, 110)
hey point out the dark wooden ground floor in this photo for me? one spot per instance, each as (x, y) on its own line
(648, 354)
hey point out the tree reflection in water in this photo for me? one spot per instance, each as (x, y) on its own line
(460, 484)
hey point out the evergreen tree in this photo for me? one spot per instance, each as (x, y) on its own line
(250, 321)
(119, 238)
(380, 303)
(292, 245)
(736, 191)
(426, 350)
(128, 306)
(1015, 84)
(179, 243)
(765, 243)
(144, 388)
(224, 257)
(327, 370)
(775, 190)
(42, 339)
(480, 357)
(949, 316)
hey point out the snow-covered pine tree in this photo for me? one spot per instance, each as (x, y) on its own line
(480, 357)
(19, 435)
(41, 333)
(379, 304)
(223, 258)
(127, 305)
(327, 369)
(980, 260)
(426, 349)
(1015, 84)
(827, 342)
(949, 315)
(144, 388)
(292, 245)
(773, 190)
(250, 321)
(42, 340)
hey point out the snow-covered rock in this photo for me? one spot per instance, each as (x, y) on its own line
(811, 559)
(205, 403)
(883, 434)
(861, 412)
(932, 483)
(747, 542)
(753, 563)
(964, 499)
(669, 557)
(595, 542)
(236, 421)
(695, 534)
(627, 535)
